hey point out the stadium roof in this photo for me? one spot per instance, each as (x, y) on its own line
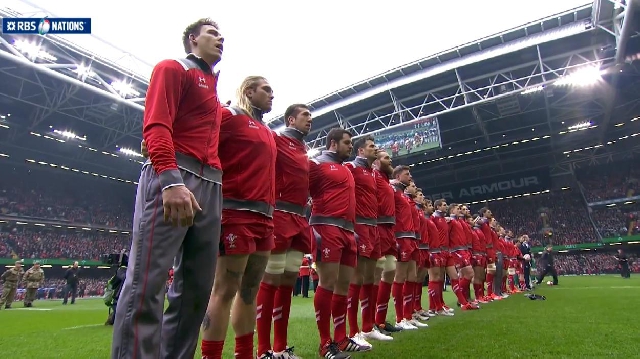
(498, 100)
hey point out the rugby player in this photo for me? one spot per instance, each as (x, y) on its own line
(248, 160)
(491, 239)
(291, 234)
(386, 265)
(423, 266)
(178, 205)
(408, 253)
(478, 259)
(333, 215)
(458, 257)
(366, 234)
(463, 258)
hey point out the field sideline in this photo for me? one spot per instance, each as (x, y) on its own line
(584, 317)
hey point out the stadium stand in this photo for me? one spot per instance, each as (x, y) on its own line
(610, 181)
(37, 194)
(559, 218)
(581, 264)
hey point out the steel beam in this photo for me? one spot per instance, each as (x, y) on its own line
(505, 48)
(449, 98)
(626, 18)
(22, 61)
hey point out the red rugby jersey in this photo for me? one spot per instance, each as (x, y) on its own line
(404, 227)
(366, 188)
(467, 232)
(443, 229)
(386, 200)
(332, 188)
(479, 242)
(424, 231)
(457, 236)
(434, 236)
(248, 159)
(292, 167)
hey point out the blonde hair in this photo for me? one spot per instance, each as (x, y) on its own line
(244, 102)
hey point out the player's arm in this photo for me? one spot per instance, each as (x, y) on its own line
(163, 97)
(315, 178)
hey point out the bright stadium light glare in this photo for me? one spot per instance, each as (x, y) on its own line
(585, 76)
(129, 152)
(532, 90)
(313, 152)
(84, 71)
(124, 89)
(34, 51)
(580, 125)
(70, 135)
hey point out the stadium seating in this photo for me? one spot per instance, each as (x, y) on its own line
(32, 243)
(611, 181)
(66, 197)
(601, 263)
(563, 214)
(617, 221)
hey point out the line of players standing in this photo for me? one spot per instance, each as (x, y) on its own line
(363, 229)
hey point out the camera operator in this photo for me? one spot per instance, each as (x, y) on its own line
(116, 282)
(546, 265)
(72, 279)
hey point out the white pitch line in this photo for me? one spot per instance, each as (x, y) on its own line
(579, 288)
(83, 326)
(33, 309)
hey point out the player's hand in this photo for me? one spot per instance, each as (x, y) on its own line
(180, 206)
(143, 149)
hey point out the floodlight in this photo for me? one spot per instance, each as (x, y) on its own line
(124, 89)
(585, 76)
(129, 152)
(34, 51)
(313, 152)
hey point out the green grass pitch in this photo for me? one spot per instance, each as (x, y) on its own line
(584, 317)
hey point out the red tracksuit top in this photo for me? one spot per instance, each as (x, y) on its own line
(457, 237)
(182, 114)
(443, 230)
(248, 161)
(332, 188)
(404, 227)
(385, 198)
(292, 168)
(366, 188)
(479, 242)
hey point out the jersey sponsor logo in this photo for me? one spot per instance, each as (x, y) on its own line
(202, 82)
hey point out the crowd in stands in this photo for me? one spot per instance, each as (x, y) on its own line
(610, 181)
(600, 263)
(559, 217)
(40, 195)
(24, 242)
(617, 221)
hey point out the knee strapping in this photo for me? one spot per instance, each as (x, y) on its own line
(276, 263)
(293, 261)
(491, 267)
(389, 263)
(380, 262)
(512, 271)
